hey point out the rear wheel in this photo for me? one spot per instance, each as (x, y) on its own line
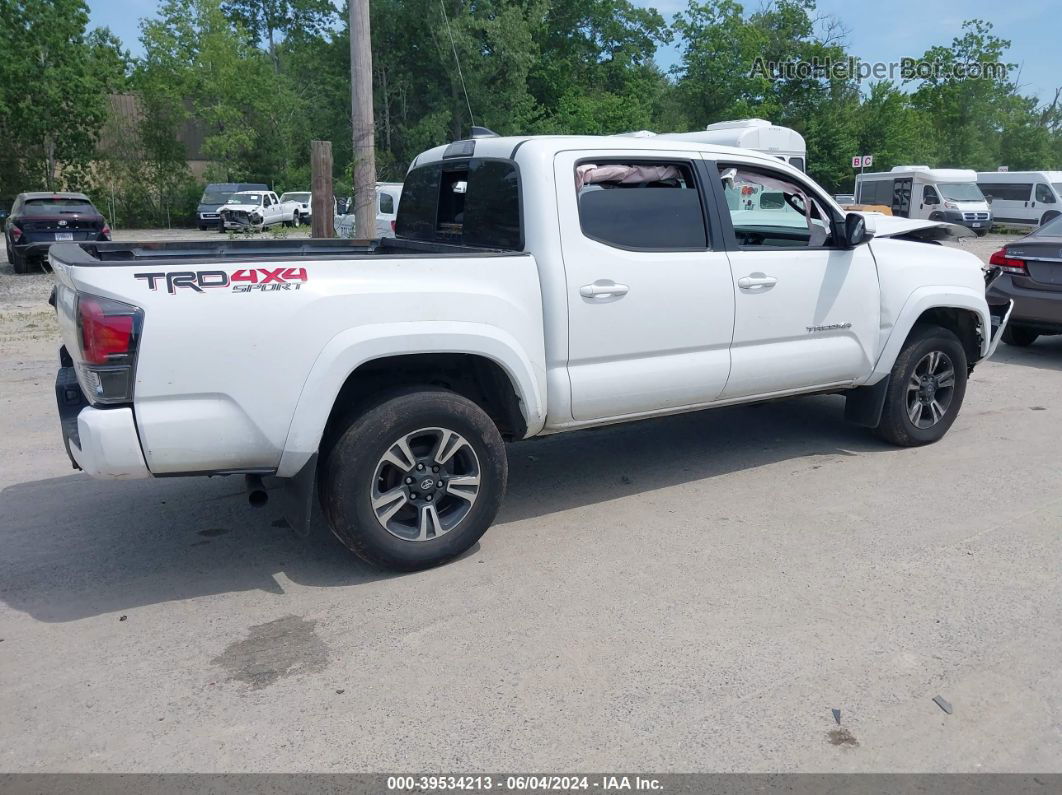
(1019, 336)
(926, 388)
(18, 261)
(415, 480)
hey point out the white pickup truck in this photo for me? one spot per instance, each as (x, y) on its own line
(256, 210)
(536, 285)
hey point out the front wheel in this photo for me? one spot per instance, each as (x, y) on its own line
(415, 480)
(926, 388)
(295, 219)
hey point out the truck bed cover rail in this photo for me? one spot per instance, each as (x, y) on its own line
(139, 253)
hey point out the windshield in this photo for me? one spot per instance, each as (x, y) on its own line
(245, 198)
(961, 191)
(215, 197)
(303, 198)
(61, 205)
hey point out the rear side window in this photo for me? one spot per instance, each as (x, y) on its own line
(1007, 191)
(653, 206)
(387, 203)
(472, 202)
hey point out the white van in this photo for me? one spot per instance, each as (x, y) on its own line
(935, 194)
(387, 197)
(758, 134)
(1023, 197)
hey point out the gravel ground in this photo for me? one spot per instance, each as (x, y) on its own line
(693, 593)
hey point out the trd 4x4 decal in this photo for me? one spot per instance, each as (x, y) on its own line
(245, 280)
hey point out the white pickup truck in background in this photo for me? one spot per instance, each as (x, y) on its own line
(255, 210)
(536, 285)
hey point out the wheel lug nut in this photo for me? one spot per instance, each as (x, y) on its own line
(435, 469)
(408, 481)
(439, 485)
(420, 466)
(428, 498)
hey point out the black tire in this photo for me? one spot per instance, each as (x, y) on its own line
(18, 261)
(1019, 336)
(221, 228)
(202, 228)
(981, 232)
(295, 218)
(896, 424)
(354, 466)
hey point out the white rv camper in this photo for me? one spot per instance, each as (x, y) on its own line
(757, 134)
(935, 194)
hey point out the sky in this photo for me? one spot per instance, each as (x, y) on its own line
(877, 31)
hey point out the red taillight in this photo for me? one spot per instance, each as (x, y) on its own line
(105, 332)
(16, 233)
(106, 232)
(393, 227)
(1008, 264)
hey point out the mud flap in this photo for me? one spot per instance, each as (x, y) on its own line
(863, 405)
(297, 496)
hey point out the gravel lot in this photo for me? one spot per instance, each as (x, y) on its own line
(692, 593)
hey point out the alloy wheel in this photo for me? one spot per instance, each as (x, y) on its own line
(930, 389)
(425, 484)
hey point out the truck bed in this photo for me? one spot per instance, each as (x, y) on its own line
(145, 253)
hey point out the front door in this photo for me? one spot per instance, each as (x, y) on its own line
(806, 310)
(650, 299)
(901, 197)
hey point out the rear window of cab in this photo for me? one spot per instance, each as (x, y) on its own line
(473, 202)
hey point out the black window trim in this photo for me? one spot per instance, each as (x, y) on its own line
(636, 157)
(455, 164)
(727, 224)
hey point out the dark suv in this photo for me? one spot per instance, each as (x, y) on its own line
(39, 219)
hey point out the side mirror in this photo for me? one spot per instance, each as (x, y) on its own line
(855, 230)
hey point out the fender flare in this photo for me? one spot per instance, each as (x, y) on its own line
(350, 349)
(919, 302)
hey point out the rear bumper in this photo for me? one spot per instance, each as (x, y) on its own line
(1037, 308)
(102, 442)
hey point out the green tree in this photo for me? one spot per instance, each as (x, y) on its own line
(53, 84)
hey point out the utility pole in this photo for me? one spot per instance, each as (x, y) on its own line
(321, 192)
(362, 118)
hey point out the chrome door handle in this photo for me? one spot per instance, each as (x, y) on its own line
(756, 281)
(603, 289)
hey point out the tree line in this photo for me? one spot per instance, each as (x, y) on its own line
(261, 78)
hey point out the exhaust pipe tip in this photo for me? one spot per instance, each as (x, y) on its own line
(257, 496)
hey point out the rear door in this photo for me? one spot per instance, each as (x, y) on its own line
(650, 295)
(901, 197)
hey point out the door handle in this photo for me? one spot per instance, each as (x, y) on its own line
(756, 281)
(603, 289)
